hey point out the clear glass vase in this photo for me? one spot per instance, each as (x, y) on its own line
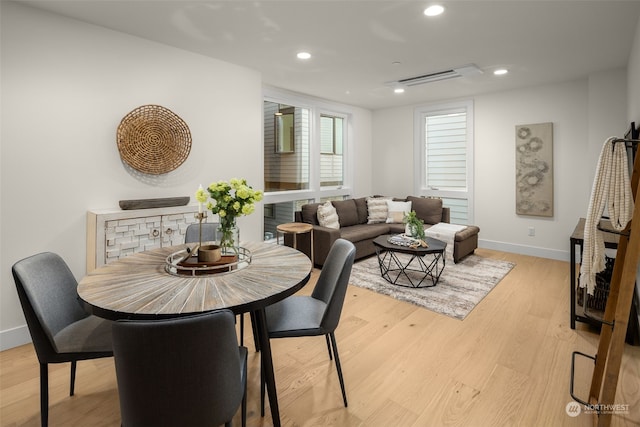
(229, 238)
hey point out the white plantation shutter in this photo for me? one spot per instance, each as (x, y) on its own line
(446, 151)
(444, 147)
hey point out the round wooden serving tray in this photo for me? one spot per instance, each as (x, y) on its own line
(183, 263)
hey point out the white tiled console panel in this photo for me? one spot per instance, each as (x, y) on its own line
(115, 233)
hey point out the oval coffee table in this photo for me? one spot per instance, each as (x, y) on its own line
(412, 270)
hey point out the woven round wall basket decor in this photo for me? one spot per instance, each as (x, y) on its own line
(153, 140)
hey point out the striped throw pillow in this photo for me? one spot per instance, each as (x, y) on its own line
(377, 209)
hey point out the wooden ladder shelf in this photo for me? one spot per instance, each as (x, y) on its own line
(616, 317)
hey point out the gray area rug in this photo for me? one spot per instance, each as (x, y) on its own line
(460, 288)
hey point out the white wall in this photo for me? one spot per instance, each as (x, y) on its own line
(393, 151)
(581, 111)
(65, 87)
(606, 112)
(360, 139)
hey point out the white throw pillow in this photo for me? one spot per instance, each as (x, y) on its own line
(377, 209)
(397, 211)
(327, 216)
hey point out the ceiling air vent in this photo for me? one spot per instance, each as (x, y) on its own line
(465, 70)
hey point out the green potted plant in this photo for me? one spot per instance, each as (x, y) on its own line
(414, 226)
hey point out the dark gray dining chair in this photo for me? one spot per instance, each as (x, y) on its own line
(186, 371)
(319, 313)
(209, 232)
(61, 330)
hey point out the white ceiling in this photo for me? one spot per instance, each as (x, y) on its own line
(355, 43)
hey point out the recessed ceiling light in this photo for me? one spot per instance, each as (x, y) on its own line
(434, 10)
(500, 71)
(303, 55)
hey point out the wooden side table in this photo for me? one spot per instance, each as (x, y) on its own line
(295, 228)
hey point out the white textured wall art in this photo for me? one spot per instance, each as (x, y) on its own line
(534, 169)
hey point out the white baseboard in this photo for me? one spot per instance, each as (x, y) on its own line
(14, 337)
(525, 250)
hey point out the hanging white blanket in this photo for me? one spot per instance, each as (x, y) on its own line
(445, 232)
(611, 189)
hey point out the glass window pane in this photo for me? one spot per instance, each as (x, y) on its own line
(331, 158)
(280, 213)
(326, 135)
(286, 147)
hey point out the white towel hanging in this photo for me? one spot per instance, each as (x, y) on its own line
(611, 189)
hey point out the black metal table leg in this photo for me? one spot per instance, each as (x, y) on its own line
(267, 365)
(389, 263)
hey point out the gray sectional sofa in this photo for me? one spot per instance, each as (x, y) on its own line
(355, 226)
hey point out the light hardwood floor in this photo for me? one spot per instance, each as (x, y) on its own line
(506, 364)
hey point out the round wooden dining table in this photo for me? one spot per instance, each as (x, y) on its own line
(139, 287)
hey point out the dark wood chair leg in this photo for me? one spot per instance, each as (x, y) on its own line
(244, 408)
(339, 369)
(329, 347)
(44, 394)
(72, 385)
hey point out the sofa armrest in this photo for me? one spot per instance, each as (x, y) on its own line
(323, 239)
(446, 214)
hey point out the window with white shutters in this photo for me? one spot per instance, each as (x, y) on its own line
(444, 156)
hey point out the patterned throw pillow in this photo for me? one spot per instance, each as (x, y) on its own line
(397, 211)
(327, 216)
(377, 207)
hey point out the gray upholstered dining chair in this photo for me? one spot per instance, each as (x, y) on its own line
(319, 313)
(61, 330)
(185, 371)
(209, 232)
